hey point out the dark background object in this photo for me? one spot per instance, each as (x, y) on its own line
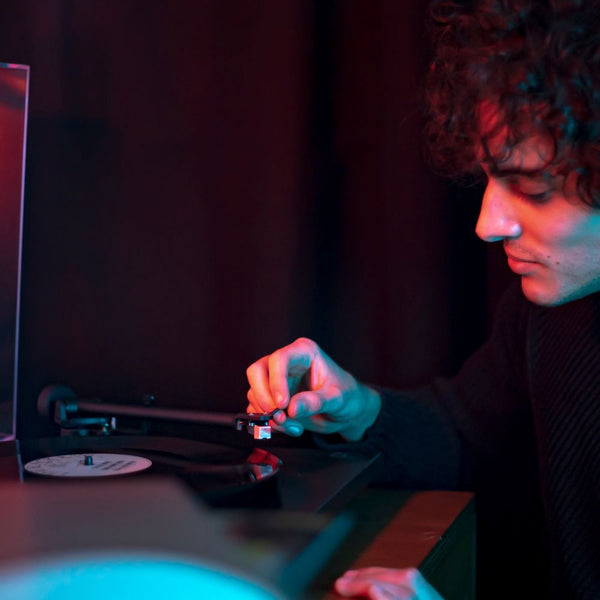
(208, 180)
(13, 113)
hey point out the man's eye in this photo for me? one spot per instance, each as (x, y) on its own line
(539, 197)
(532, 196)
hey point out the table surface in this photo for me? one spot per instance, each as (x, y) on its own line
(430, 530)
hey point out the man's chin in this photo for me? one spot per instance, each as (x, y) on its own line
(544, 294)
(540, 294)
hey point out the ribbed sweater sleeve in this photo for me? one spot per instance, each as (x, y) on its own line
(443, 435)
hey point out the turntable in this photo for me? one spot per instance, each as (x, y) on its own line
(210, 452)
(278, 505)
(92, 446)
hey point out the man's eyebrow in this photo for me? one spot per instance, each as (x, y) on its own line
(504, 172)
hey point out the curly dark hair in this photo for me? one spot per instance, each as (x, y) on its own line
(538, 62)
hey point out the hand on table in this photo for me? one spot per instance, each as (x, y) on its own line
(377, 583)
(312, 391)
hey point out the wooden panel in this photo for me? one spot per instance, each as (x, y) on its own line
(432, 530)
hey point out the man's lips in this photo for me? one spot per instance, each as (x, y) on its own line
(519, 265)
(519, 258)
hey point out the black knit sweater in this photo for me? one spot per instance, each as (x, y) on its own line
(519, 425)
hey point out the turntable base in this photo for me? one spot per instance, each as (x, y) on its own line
(308, 479)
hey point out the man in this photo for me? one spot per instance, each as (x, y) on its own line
(513, 96)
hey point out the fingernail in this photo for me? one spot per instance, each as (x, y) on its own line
(279, 401)
(278, 416)
(294, 430)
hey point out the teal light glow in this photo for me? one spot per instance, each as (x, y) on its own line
(125, 577)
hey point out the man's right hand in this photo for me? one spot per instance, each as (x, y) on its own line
(311, 391)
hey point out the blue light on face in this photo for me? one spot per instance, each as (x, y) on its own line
(126, 577)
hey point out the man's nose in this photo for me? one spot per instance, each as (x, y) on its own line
(498, 219)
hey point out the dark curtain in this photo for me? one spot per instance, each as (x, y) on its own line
(208, 180)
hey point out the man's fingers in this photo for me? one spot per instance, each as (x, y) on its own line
(287, 425)
(260, 392)
(276, 377)
(252, 404)
(302, 381)
(306, 404)
(382, 574)
(377, 583)
(374, 590)
(287, 368)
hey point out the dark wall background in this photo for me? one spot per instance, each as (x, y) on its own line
(208, 180)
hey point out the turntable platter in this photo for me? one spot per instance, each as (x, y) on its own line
(221, 475)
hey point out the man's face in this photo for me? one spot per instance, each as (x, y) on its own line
(551, 238)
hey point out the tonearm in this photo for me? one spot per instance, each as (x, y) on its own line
(60, 404)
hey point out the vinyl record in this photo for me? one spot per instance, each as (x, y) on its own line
(221, 475)
(94, 464)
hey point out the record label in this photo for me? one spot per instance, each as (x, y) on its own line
(88, 465)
